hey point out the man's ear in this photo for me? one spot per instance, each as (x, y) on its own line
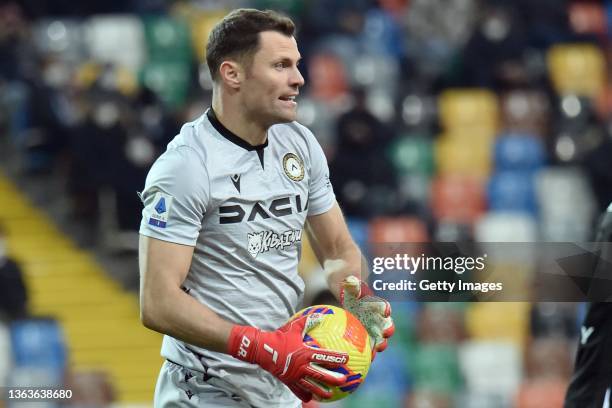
(231, 73)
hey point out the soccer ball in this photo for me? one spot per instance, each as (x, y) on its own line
(339, 330)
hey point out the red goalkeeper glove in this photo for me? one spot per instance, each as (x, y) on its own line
(372, 311)
(284, 354)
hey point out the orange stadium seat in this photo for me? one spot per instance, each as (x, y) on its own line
(541, 394)
(577, 69)
(458, 198)
(397, 229)
(328, 79)
(588, 18)
(469, 109)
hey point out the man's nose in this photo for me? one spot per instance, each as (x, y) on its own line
(297, 79)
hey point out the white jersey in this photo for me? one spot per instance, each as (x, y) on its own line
(243, 207)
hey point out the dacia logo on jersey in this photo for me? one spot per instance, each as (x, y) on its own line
(161, 206)
(280, 207)
(263, 241)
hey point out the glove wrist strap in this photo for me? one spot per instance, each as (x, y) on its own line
(242, 343)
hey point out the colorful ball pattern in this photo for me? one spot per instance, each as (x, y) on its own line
(339, 330)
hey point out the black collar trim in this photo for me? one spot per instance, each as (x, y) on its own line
(229, 135)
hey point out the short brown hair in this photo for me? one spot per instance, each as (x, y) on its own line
(237, 35)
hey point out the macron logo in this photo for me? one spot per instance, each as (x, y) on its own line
(585, 333)
(329, 359)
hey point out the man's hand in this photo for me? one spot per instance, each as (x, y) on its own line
(372, 311)
(284, 354)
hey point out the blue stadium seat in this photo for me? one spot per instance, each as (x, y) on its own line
(358, 228)
(387, 382)
(39, 343)
(512, 191)
(519, 152)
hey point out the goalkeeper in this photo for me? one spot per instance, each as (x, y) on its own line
(591, 384)
(224, 211)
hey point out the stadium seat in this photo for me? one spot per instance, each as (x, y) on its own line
(35, 377)
(167, 39)
(604, 103)
(475, 108)
(5, 354)
(440, 325)
(170, 80)
(374, 72)
(506, 227)
(457, 198)
(491, 367)
(588, 18)
(412, 154)
(380, 389)
(89, 389)
(39, 344)
(449, 231)
(549, 358)
(397, 230)
(541, 394)
(512, 191)
(382, 35)
(290, 7)
(566, 203)
(435, 367)
(328, 79)
(408, 232)
(460, 157)
(555, 320)
(519, 152)
(359, 231)
(404, 318)
(498, 321)
(415, 190)
(430, 399)
(525, 111)
(60, 37)
(468, 399)
(104, 32)
(418, 110)
(200, 24)
(576, 69)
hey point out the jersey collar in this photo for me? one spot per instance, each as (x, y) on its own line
(229, 135)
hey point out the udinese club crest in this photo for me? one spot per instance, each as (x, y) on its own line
(293, 166)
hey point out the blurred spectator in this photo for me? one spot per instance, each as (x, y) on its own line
(13, 295)
(362, 177)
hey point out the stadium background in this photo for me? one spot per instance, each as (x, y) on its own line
(442, 120)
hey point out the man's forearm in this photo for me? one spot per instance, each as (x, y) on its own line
(181, 316)
(346, 263)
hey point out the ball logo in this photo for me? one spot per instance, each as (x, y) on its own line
(330, 359)
(293, 166)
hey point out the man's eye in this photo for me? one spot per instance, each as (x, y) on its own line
(280, 65)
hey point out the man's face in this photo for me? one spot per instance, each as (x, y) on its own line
(273, 80)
